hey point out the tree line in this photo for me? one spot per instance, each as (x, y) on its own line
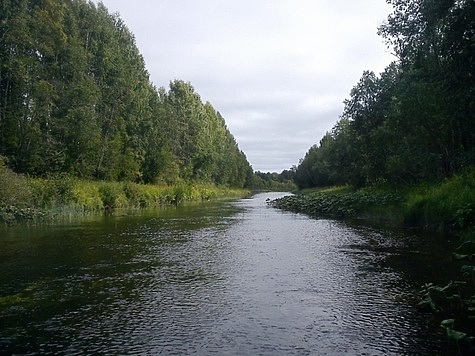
(75, 98)
(283, 181)
(415, 121)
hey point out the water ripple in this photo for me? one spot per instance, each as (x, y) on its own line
(237, 279)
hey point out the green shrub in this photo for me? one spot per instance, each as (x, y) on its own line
(87, 196)
(27, 200)
(135, 195)
(112, 195)
(56, 190)
(14, 188)
(446, 206)
(63, 186)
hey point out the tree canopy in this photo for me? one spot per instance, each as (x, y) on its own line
(75, 98)
(415, 121)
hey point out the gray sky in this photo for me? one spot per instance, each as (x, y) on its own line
(277, 70)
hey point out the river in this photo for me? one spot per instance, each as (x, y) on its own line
(226, 278)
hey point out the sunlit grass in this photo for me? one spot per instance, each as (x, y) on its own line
(32, 200)
(95, 196)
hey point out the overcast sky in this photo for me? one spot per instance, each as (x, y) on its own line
(277, 70)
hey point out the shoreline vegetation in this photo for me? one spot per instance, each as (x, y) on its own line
(25, 200)
(447, 207)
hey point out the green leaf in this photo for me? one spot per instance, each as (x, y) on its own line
(455, 335)
(447, 323)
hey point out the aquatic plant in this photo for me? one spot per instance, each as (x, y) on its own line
(448, 325)
(343, 203)
(455, 302)
(444, 299)
(10, 214)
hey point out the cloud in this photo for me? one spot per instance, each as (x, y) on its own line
(277, 70)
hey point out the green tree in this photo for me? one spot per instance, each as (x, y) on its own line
(75, 97)
(434, 41)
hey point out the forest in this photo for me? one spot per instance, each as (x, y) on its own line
(76, 100)
(414, 122)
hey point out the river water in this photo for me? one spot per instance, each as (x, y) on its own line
(226, 278)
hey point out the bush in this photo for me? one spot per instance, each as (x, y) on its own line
(14, 188)
(28, 200)
(86, 196)
(134, 195)
(63, 187)
(446, 206)
(56, 190)
(112, 195)
(16, 198)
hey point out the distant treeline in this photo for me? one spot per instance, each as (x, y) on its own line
(283, 181)
(416, 121)
(75, 98)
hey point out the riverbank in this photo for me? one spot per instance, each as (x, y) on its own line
(447, 207)
(35, 200)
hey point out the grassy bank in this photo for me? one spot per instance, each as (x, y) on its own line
(36, 200)
(447, 206)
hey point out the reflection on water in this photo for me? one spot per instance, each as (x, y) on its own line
(227, 278)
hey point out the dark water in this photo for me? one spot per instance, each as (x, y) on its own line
(221, 278)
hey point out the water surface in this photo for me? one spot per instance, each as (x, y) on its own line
(235, 278)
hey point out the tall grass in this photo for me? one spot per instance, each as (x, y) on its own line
(25, 199)
(14, 188)
(447, 206)
(16, 197)
(114, 195)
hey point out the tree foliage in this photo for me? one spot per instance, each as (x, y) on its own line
(283, 181)
(413, 122)
(75, 98)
